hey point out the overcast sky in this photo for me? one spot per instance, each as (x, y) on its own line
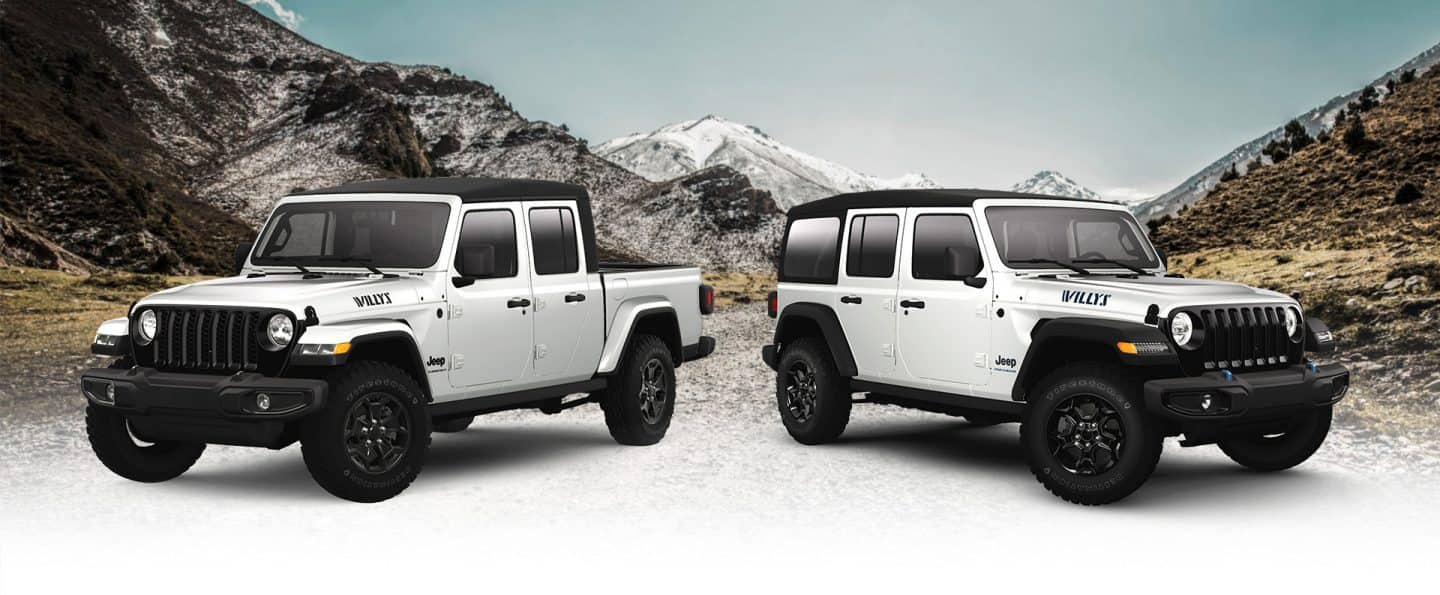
(1125, 97)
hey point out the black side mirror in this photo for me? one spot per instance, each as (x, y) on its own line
(964, 265)
(475, 261)
(242, 254)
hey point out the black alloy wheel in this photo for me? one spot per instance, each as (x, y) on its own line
(1086, 435)
(377, 432)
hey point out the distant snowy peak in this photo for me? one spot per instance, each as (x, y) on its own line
(794, 177)
(1053, 183)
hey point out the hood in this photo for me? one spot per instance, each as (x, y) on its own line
(334, 297)
(1132, 297)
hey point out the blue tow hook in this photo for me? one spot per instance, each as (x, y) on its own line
(1312, 366)
(1229, 376)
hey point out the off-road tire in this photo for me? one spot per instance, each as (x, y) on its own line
(326, 434)
(646, 368)
(115, 446)
(824, 418)
(1138, 449)
(1306, 433)
(452, 425)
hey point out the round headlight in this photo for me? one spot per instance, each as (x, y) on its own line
(1292, 323)
(1182, 328)
(279, 330)
(145, 331)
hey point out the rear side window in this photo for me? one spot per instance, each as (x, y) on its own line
(812, 249)
(935, 236)
(488, 237)
(871, 252)
(552, 237)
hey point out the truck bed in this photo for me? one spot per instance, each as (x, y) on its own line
(677, 284)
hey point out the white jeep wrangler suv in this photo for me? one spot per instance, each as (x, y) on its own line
(1055, 313)
(370, 314)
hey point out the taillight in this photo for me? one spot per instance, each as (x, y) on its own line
(773, 303)
(707, 299)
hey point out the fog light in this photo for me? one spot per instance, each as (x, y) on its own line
(262, 402)
(1202, 403)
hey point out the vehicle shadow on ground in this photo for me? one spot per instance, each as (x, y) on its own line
(479, 450)
(1184, 480)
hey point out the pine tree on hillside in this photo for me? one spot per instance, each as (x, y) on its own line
(1229, 174)
(1408, 76)
(1297, 136)
(1369, 98)
(1354, 135)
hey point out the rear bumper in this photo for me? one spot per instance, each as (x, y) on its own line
(202, 407)
(771, 354)
(704, 348)
(1216, 397)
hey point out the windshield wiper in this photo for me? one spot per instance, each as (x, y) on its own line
(363, 262)
(290, 261)
(1132, 268)
(1054, 262)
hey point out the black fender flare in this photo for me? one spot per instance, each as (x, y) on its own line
(824, 318)
(410, 356)
(1053, 339)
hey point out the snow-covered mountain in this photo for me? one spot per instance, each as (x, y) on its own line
(792, 176)
(155, 134)
(1053, 183)
(1320, 118)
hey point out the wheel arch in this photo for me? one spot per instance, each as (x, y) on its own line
(642, 317)
(397, 348)
(1061, 341)
(810, 320)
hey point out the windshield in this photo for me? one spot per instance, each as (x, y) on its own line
(1095, 238)
(404, 235)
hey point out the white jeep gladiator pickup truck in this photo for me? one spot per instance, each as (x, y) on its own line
(368, 315)
(1055, 313)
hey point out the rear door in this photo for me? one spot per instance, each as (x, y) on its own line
(943, 327)
(869, 279)
(491, 332)
(569, 323)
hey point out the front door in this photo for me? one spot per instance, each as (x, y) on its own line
(943, 326)
(568, 302)
(491, 326)
(869, 274)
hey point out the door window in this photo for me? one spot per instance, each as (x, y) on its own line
(552, 238)
(935, 237)
(871, 252)
(487, 245)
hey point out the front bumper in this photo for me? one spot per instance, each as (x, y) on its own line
(204, 407)
(1222, 397)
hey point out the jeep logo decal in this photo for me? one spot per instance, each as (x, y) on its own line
(1085, 298)
(1008, 362)
(435, 362)
(374, 299)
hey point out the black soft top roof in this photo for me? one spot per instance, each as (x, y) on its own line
(476, 190)
(960, 197)
(468, 189)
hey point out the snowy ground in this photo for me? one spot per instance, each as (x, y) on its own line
(726, 501)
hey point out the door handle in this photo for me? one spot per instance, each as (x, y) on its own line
(574, 297)
(517, 303)
(917, 304)
(851, 299)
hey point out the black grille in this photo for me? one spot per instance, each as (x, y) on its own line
(207, 340)
(1243, 337)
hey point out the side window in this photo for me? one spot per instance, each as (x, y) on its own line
(871, 252)
(811, 251)
(487, 245)
(552, 238)
(938, 239)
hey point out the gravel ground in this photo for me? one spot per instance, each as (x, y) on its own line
(727, 497)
